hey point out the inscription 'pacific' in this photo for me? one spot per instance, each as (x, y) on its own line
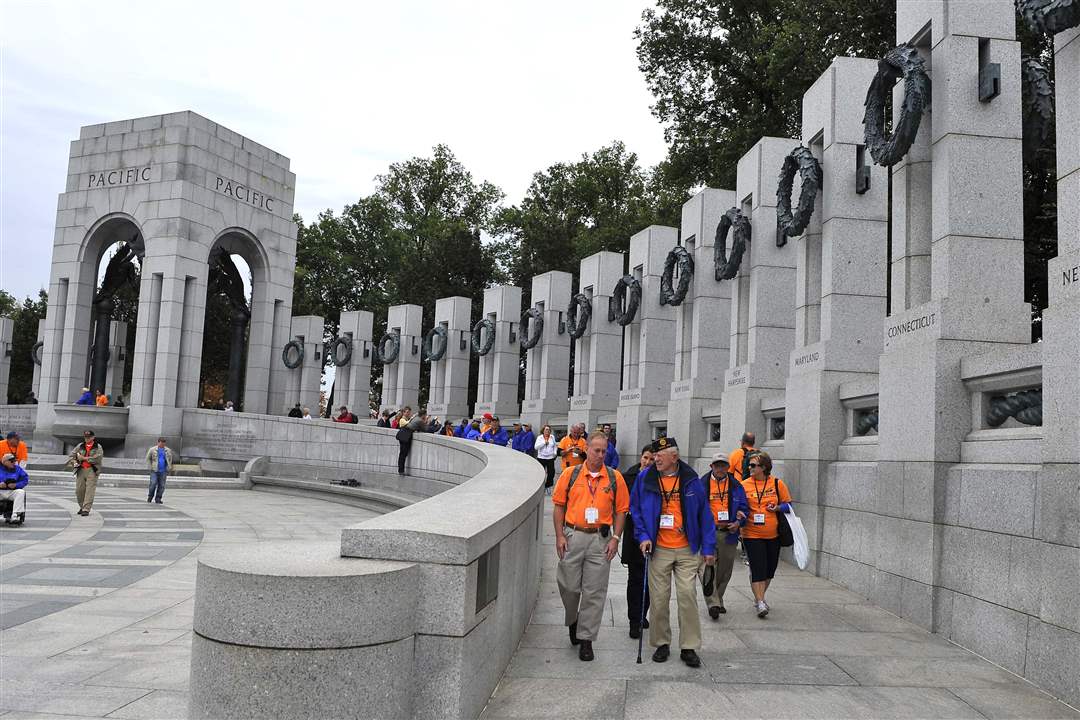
(244, 194)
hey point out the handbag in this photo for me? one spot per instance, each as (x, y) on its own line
(404, 435)
(787, 539)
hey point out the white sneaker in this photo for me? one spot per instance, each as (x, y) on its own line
(762, 608)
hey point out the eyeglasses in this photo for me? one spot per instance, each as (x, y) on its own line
(755, 465)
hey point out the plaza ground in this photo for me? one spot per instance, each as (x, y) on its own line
(97, 614)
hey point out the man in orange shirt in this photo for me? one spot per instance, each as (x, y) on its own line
(737, 459)
(572, 447)
(590, 504)
(14, 445)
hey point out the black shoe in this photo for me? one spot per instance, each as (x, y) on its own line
(585, 651)
(573, 634)
(84, 513)
(714, 612)
(690, 658)
(149, 499)
(158, 502)
(723, 610)
(645, 624)
(635, 631)
(661, 654)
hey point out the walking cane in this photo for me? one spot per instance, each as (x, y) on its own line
(641, 624)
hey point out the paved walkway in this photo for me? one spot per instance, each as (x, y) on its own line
(97, 612)
(823, 652)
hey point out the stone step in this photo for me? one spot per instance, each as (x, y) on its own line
(131, 480)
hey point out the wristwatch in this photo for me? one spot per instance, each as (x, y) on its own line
(616, 537)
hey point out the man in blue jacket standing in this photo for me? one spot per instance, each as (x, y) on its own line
(674, 523)
(727, 501)
(496, 434)
(12, 481)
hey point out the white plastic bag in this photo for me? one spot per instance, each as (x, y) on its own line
(802, 545)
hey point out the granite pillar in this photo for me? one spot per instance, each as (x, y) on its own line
(7, 327)
(304, 384)
(597, 352)
(352, 384)
(648, 365)
(117, 362)
(547, 365)
(497, 392)
(701, 329)
(36, 386)
(401, 378)
(448, 396)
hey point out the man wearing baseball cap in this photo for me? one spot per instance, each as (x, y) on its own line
(729, 507)
(13, 444)
(12, 481)
(86, 460)
(674, 523)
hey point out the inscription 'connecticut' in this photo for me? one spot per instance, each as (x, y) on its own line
(912, 325)
(244, 193)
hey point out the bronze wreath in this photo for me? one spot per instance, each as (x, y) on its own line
(727, 266)
(530, 341)
(789, 224)
(668, 294)
(292, 345)
(618, 297)
(344, 355)
(578, 315)
(388, 357)
(902, 60)
(429, 352)
(1050, 17)
(485, 348)
(35, 351)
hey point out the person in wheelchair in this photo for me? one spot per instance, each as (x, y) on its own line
(13, 480)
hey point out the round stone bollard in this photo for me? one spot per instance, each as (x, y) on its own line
(293, 630)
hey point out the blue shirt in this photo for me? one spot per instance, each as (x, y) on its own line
(85, 399)
(16, 475)
(611, 455)
(161, 463)
(472, 434)
(498, 437)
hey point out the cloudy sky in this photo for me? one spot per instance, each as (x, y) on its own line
(343, 89)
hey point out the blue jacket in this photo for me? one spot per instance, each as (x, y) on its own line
(737, 502)
(472, 433)
(461, 430)
(497, 438)
(611, 456)
(16, 475)
(86, 398)
(698, 522)
(524, 442)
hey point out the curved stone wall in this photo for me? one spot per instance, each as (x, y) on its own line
(416, 613)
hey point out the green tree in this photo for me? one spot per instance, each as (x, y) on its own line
(24, 335)
(726, 73)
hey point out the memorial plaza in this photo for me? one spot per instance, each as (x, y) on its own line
(805, 444)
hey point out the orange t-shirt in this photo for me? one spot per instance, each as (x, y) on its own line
(589, 492)
(760, 495)
(19, 451)
(718, 497)
(671, 504)
(102, 400)
(566, 450)
(735, 461)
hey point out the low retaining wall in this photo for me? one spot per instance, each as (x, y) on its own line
(415, 614)
(21, 418)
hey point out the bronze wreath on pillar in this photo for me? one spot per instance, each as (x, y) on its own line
(35, 351)
(627, 283)
(1025, 406)
(1050, 17)
(530, 341)
(485, 348)
(298, 351)
(431, 352)
(726, 266)
(341, 350)
(788, 224)
(902, 60)
(577, 315)
(670, 295)
(389, 356)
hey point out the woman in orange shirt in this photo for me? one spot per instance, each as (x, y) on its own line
(767, 496)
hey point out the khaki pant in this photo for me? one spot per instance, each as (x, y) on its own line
(85, 488)
(725, 561)
(583, 581)
(683, 564)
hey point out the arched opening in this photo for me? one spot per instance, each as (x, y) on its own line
(235, 265)
(116, 248)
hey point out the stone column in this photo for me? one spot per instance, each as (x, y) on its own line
(7, 327)
(401, 378)
(117, 363)
(448, 396)
(648, 365)
(100, 347)
(842, 258)
(547, 366)
(36, 387)
(763, 302)
(497, 391)
(597, 352)
(352, 384)
(701, 328)
(305, 382)
(975, 304)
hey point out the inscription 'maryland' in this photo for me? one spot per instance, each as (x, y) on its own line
(807, 359)
(243, 193)
(118, 177)
(912, 325)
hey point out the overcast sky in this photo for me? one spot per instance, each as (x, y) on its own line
(343, 89)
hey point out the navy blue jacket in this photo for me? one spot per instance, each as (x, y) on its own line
(497, 438)
(738, 502)
(16, 475)
(698, 522)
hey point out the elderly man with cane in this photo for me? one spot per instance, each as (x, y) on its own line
(674, 523)
(589, 507)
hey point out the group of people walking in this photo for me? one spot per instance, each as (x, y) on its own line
(671, 525)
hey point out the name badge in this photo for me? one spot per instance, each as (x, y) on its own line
(759, 518)
(591, 515)
(667, 521)
(721, 516)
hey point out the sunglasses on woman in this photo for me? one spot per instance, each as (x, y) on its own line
(755, 465)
